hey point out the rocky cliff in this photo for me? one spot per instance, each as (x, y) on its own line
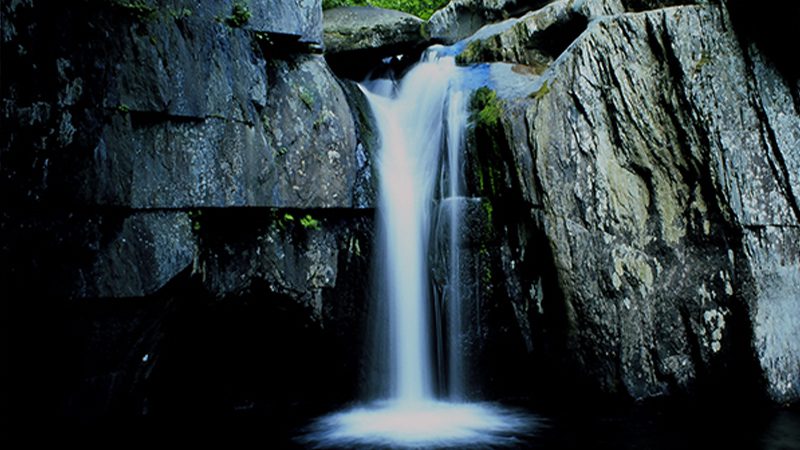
(164, 163)
(657, 155)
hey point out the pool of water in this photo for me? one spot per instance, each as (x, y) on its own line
(494, 426)
(444, 425)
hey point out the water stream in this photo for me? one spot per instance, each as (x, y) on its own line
(422, 121)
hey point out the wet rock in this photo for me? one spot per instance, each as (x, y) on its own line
(482, 347)
(656, 148)
(365, 188)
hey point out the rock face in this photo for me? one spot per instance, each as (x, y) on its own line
(359, 38)
(167, 151)
(460, 18)
(664, 160)
(360, 28)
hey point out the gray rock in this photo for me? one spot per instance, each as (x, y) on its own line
(301, 18)
(460, 18)
(150, 124)
(311, 129)
(299, 152)
(365, 188)
(655, 145)
(361, 28)
(147, 251)
(308, 256)
(535, 39)
(156, 69)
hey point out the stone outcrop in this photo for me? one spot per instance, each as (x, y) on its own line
(171, 150)
(663, 159)
(366, 28)
(359, 38)
(460, 18)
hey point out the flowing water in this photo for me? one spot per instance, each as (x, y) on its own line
(422, 122)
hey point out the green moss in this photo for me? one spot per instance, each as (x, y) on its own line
(541, 92)
(486, 117)
(424, 31)
(178, 14)
(705, 58)
(306, 97)
(472, 53)
(240, 15)
(265, 122)
(195, 216)
(309, 222)
(138, 9)
(123, 108)
(420, 8)
(489, 210)
(486, 108)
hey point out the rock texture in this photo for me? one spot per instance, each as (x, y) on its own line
(360, 28)
(460, 18)
(664, 160)
(168, 152)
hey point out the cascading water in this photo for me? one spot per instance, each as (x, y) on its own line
(426, 111)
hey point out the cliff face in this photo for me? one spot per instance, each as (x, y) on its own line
(658, 150)
(182, 153)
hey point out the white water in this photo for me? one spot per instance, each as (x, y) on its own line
(411, 119)
(408, 166)
(456, 126)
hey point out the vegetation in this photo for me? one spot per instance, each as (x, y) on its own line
(195, 216)
(138, 9)
(420, 8)
(240, 15)
(486, 116)
(475, 51)
(705, 58)
(178, 14)
(541, 92)
(307, 222)
(486, 108)
(306, 97)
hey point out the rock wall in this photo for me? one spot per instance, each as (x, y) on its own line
(661, 147)
(189, 155)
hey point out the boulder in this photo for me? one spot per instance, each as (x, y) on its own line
(365, 28)
(535, 39)
(664, 160)
(460, 18)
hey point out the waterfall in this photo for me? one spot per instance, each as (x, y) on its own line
(422, 122)
(427, 101)
(456, 126)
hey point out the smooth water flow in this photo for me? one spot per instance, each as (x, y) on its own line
(417, 119)
(456, 126)
(408, 166)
